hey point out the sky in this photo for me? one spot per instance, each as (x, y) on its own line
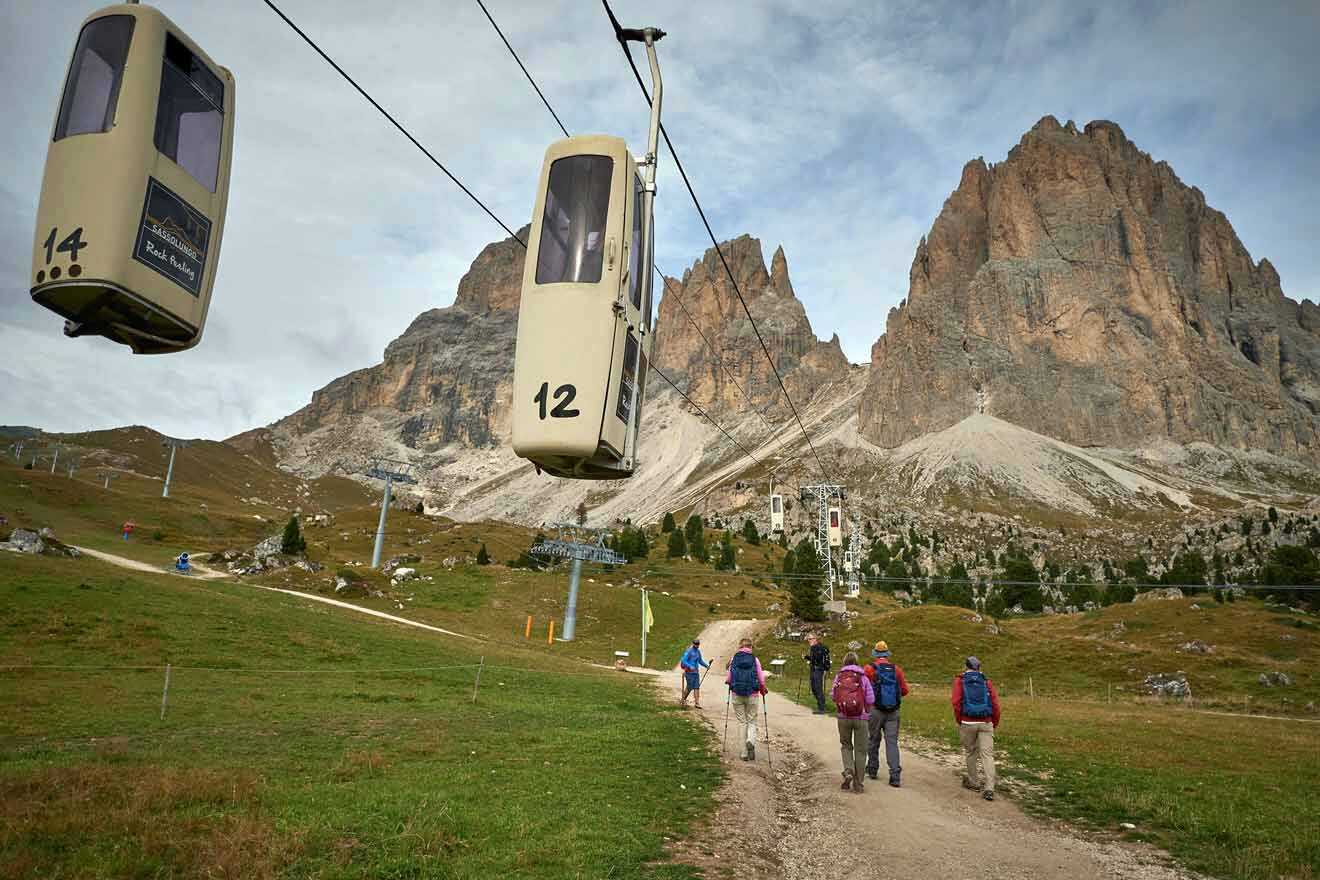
(836, 129)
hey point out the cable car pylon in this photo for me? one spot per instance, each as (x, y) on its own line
(578, 543)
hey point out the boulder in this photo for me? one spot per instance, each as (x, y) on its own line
(1196, 646)
(47, 532)
(1275, 679)
(1165, 685)
(1162, 593)
(25, 541)
(267, 548)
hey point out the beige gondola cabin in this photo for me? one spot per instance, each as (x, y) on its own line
(136, 182)
(584, 324)
(776, 513)
(836, 527)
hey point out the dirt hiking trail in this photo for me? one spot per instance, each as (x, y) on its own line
(797, 823)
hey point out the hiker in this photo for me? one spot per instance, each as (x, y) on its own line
(746, 679)
(890, 686)
(692, 663)
(853, 697)
(182, 564)
(819, 659)
(976, 709)
(128, 529)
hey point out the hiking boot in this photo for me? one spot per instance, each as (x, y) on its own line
(988, 795)
(895, 783)
(969, 785)
(751, 752)
(873, 774)
(847, 783)
(817, 711)
(858, 787)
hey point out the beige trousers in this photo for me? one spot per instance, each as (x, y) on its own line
(978, 742)
(745, 710)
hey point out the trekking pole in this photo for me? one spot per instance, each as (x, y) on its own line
(798, 698)
(766, 711)
(707, 672)
(725, 740)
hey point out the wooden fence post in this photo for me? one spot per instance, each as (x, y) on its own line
(165, 694)
(477, 683)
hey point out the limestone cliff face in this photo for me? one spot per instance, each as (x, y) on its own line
(707, 296)
(1081, 290)
(444, 380)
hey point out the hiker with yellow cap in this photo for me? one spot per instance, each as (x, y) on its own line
(890, 686)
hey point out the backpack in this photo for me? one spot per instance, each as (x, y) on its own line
(976, 696)
(887, 696)
(745, 681)
(849, 694)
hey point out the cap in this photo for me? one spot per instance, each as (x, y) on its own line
(973, 663)
(881, 649)
(696, 641)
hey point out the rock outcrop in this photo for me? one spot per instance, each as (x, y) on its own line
(708, 298)
(1081, 290)
(445, 381)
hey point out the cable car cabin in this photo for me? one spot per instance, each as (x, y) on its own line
(836, 530)
(137, 178)
(776, 513)
(847, 562)
(584, 340)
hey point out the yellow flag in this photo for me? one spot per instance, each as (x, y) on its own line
(648, 619)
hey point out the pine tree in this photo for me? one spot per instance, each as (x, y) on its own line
(668, 524)
(750, 534)
(726, 561)
(783, 538)
(292, 541)
(483, 558)
(677, 545)
(695, 532)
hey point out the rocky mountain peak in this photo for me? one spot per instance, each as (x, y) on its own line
(494, 281)
(1081, 290)
(706, 295)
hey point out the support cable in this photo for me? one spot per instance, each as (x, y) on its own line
(372, 101)
(618, 32)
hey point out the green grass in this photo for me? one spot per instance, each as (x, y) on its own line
(1231, 797)
(288, 750)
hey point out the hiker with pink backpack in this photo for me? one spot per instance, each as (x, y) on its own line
(854, 697)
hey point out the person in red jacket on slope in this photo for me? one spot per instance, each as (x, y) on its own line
(976, 710)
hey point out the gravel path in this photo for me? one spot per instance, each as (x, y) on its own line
(796, 822)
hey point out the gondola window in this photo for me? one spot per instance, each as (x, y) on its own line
(636, 273)
(190, 114)
(627, 379)
(92, 92)
(577, 202)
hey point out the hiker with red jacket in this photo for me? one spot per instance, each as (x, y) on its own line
(976, 709)
(853, 697)
(890, 687)
(746, 680)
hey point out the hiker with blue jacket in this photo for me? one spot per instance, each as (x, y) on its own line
(691, 665)
(746, 681)
(890, 686)
(976, 709)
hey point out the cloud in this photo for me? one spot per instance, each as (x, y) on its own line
(836, 129)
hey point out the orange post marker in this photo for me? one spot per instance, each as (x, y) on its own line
(550, 638)
(528, 633)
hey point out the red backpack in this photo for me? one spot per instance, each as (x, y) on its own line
(849, 694)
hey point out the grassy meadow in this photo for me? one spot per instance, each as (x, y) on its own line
(300, 741)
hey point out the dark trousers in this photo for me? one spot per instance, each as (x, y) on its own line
(818, 687)
(883, 726)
